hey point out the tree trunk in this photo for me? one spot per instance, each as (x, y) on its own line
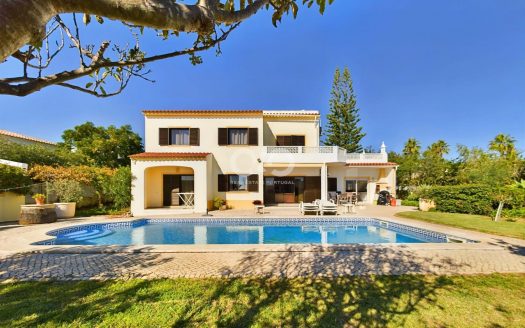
(498, 212)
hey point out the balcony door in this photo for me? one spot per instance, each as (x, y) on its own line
(290, 141)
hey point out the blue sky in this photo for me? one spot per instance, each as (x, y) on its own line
(447, 69)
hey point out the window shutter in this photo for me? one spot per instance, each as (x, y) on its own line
(280, 141)
(164, 136)
(253, 182)
(223, 182)
(194, 137)
(253, 137)
(223, 136)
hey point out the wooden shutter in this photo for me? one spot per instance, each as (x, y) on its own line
(280, 141)
(223, 136)
(194, 137)
(253, 137)
(332, 184)
(223, 182)
(253, 182)
(164, 136)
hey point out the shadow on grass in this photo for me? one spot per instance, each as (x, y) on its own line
(290, 288)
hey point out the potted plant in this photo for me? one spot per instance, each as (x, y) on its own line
(219, 203)
(68, 192)
(40, 199)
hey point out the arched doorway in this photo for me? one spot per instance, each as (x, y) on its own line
(169, 186)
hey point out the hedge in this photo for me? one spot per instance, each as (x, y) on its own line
(468, 199)
(14, 177)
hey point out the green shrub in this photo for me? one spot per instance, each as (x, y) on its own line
(218, 202)
(119, 188)
(14, 177)
(67, 191)
(514, 213)
(468, 199)
(408, 202)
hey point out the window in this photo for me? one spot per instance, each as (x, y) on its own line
(238, 136)
(238, 182)
(180, 136)
(356, 185)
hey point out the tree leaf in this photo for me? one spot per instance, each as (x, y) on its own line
(86, 19)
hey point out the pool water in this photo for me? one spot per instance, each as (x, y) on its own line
(254, 231)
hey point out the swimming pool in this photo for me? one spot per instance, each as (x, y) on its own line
(324, 230)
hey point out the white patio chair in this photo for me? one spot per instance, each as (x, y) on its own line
(327, 206)
(308, 207)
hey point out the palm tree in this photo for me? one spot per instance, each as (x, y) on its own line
(439, 148)
(412, 147)
(504, 145)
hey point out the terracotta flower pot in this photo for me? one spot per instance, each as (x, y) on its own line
(40, 201)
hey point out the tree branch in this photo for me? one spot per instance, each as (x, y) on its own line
(35, 84)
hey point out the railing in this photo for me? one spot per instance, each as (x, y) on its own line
(326, 154)
(187, 199)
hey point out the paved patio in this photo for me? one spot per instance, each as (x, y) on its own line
(20, 260)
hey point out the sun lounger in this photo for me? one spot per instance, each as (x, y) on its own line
(326, 206)
(308, 207)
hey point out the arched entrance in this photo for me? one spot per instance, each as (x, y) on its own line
(169, 186)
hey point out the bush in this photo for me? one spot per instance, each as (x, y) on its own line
(67, 191)
(514, 213)
(218, 202)
(14, 177)
(119, 188)
(468, 199)
(407, 202)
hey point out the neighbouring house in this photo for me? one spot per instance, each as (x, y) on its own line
(25, 140)
(193, 156)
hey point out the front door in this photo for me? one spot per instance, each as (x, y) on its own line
(312, 189)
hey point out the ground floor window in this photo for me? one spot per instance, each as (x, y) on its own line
(356, 185)
(237, 182)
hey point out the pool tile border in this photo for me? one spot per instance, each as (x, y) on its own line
(431, 236)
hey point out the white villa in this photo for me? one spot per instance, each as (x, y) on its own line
(193, 156)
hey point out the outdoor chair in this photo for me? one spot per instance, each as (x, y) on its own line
(327, 206)
(308, 207)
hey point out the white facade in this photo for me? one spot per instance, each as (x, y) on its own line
(203, 147)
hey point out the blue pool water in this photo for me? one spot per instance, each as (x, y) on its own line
(243, 231)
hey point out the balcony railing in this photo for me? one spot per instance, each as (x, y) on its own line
(321, 154)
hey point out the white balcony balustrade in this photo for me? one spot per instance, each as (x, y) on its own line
(321, 154)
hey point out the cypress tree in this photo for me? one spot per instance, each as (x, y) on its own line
(343, 128)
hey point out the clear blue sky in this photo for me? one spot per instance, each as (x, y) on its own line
(446, 69)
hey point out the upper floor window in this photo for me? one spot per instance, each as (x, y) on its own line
(238, 136)
(179, 136)
(290, 141)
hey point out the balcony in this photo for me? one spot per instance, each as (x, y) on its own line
(321, 154)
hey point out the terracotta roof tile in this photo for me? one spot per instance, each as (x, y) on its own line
(372, 164)
(21, 136)
(167, 155)
(200, 112)
(230, 112)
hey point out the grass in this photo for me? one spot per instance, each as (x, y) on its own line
(504, 227)
(376, 301)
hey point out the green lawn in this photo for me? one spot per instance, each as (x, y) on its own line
(504, 227)
(377, 301)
